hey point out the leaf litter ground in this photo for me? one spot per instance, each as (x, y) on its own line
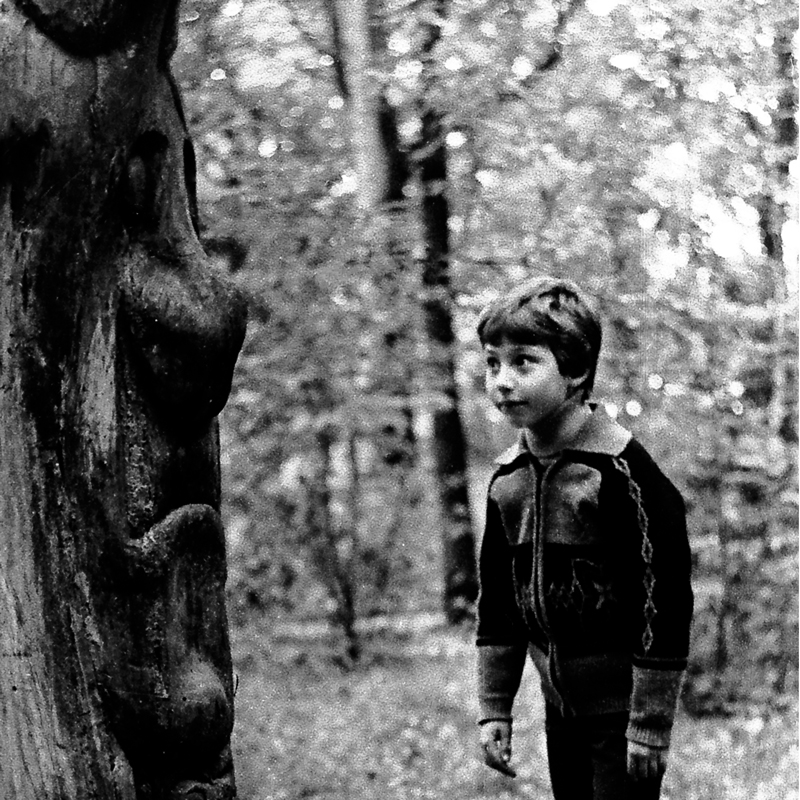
(401, 725)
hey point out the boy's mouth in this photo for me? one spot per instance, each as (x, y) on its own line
(508, 405)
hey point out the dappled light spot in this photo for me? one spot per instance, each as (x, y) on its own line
(399, 43)
(232, 8)
(487, 178)
(455, 139)
(602, 8)
(736, 388)
(522, 67)
(267, 148)
(633, 408)
(674, 389)
(628, 60)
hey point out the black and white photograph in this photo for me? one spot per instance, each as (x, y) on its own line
(399, 400)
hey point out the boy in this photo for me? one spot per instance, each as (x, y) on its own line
(585, 561)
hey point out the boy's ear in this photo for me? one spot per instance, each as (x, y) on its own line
(575, 381)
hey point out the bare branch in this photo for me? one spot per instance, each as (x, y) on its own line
(399, 10)
(310, 38)
(565, 11)
(337, 54)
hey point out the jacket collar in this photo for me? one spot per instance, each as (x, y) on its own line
(599, 434)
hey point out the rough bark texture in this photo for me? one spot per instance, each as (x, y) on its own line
(117, 344)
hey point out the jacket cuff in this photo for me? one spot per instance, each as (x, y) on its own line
(499, 674)
(654, 698)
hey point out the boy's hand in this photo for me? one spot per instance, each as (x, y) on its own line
(646, 762)
(496, 745)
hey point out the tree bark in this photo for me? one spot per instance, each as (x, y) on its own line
(117, 345)
(448, 441)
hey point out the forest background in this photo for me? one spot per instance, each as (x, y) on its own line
(371, 172)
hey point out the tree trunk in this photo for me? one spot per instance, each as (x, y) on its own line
(117, 345)
(772, 215)
(783, 394)
(448, 441)
(382, 171)
(363, 96)
(339, 567)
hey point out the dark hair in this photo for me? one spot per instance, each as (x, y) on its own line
(550, 312)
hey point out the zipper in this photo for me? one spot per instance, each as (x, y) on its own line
(537, 573)
(537, 577)
(534, 591)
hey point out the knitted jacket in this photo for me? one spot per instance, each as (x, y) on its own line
(585, 565)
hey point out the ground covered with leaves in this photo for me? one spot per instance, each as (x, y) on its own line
(401, 724)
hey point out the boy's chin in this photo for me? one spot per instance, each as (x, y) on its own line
(518, 420)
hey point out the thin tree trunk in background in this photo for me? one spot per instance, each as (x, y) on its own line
(363, 96)
(381, 172)
(772, 216)
(448, 441)
(323, 530)
(117, 345)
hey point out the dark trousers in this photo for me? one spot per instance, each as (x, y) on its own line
(587, 757)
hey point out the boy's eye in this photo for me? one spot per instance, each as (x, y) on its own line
(524, 360)
(492, 363)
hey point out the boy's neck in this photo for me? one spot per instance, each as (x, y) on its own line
(551, 438)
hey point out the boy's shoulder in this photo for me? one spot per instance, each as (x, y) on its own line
(643, 469)
(601, 439)
(600, 435)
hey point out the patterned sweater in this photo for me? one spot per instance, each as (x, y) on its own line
(585, 566)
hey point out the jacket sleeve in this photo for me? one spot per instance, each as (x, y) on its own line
(501, 640)
(662, 598)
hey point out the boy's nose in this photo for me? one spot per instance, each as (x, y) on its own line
(504, 380)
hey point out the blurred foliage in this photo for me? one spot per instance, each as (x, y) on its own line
(626, 144)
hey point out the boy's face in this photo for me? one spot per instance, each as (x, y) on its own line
(524, 382)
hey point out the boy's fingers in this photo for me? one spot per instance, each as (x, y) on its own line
(497, 756)
(506, 770)
(496, 743)
(638, 768)
(499, 762)
(646, 763)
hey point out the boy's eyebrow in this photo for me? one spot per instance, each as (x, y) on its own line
(513, 346)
